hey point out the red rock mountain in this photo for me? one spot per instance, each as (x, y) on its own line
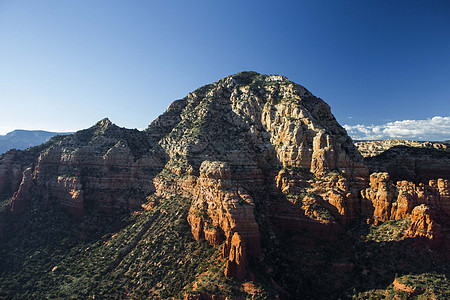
(258, 156)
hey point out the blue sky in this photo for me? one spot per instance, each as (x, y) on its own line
(382, 66)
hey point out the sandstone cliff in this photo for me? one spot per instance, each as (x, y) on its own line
(244, 141)
(385, 200)
(254, 165)
(232, 147)
(411, 164)
(374, 148)
(104, 168)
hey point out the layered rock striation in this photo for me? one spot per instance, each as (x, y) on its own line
(411, 163)
(252, 152)
(252, 140)
(104, 169)
(374, 148)
(385, 201)
(245, 141)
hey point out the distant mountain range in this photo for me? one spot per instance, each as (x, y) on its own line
(22, 139)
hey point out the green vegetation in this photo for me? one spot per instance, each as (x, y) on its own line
(318, 211)
(299, 170)
(150, 256)
(388, 231)
(147, 255)
(5, 199)
(310, 204)
(422, 286)
(248, 78)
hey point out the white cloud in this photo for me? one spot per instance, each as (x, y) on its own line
(434, 129)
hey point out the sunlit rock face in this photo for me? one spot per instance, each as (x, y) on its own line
(104, 168)
(384, 200)
(252, 140)
(254, 165)
(245, 141)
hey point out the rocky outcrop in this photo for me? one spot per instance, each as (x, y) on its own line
(378, 198)
(374, 148)
(69, 193)
(12, 164)
(411, 164)
(223, 142)
(229, 137)
(244, 141)
(425, 224)
(234, 250)
(220, 208)
(104, 168)
(22, 197)
(430, 224)
(385, 201)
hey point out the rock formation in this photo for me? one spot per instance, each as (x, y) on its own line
(103, 168)
(385, 201)
(247, 140)
(424, 223)
(256, 158)
(411, 164)
(374, 148)
(12, 164)
(21, 198)
(230, 139)
(234, 250)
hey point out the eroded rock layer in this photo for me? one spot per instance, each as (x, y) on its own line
(104, 168)
(412, 164)
(250, 150)
(244, 141)
(385, 201)
(374, 148)
(255, 140)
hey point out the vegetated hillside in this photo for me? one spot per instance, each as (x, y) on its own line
(246, 188)
(22, 139)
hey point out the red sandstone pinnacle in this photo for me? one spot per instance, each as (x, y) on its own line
(385, 201)
(425, 223)
(234, 249)
(219, 208)
(377, 199)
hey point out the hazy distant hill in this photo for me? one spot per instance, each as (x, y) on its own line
(22, 139)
